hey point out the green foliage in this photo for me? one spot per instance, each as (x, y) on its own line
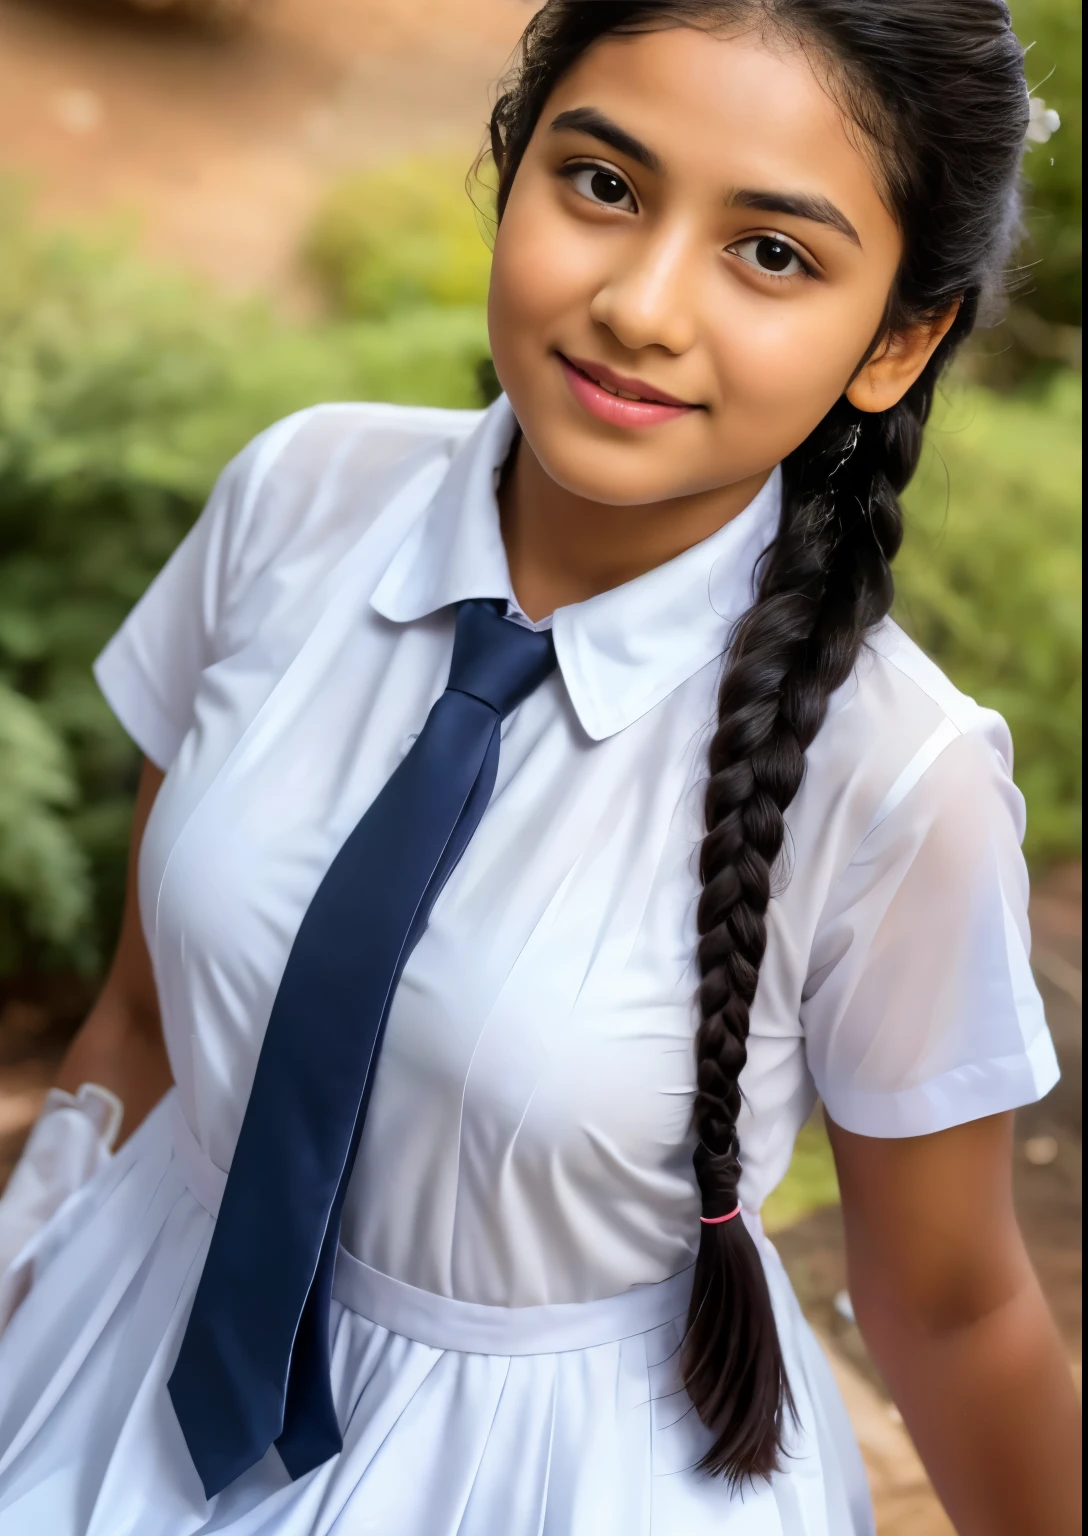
(122, 393)
(397, 237)
(989, 581)
(97, 366)
(810, 1183)
(44, 893)
(1051, 31)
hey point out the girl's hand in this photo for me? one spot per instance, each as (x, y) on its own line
(952, 1312)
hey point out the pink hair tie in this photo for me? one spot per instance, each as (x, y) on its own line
(716, 1221)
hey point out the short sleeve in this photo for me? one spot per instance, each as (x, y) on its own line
(150, 669)
(920, 1010)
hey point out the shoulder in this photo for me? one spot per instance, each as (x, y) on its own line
(901, 737)
(371, 434)
(309, 485)
(905, 669)
(340, 452)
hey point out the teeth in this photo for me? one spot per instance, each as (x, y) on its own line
(622, 393)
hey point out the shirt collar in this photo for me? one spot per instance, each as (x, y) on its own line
(620, 653)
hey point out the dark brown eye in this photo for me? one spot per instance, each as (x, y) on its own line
(773, 255)
(602, 187)
(767, 253)
(607, 188)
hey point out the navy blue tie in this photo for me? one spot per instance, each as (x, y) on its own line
(253, 1369)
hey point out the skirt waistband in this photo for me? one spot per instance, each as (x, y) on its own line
(465, 1327)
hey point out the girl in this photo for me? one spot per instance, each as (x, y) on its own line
(435, 710)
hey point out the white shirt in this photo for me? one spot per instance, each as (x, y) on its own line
(528, 1140)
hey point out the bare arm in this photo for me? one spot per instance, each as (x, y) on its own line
(120, 1043)
(954, 1317)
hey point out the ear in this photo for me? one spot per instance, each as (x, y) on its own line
(885, 378)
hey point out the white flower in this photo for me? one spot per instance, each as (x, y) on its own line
(1042, 121)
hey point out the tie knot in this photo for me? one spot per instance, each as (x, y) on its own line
(496, 661)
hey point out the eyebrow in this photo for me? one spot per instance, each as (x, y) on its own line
(589, 120)
(798, 205)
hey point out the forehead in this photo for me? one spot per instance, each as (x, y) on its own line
(727, 111)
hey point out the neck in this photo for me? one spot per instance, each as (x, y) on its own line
(563, 548)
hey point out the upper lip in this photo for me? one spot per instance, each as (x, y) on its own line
(602, 374)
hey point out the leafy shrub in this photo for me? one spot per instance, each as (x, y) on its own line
(404, 235)
(122, 392)
(43, 872)
(1051, 31)
(811, 1181)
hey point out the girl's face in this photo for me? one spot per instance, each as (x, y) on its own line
(694, 224)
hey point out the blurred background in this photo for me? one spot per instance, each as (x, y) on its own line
(215, 212)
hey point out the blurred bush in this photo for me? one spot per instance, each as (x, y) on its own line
(122, 393)
(1041, 330)
(989, 580)
(404, 235)
(1051, 31)
(810, 1183)
(44, 887)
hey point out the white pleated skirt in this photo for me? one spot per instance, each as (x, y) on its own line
(458, 1419)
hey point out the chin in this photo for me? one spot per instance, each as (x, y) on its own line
(634, 470)
(612, 474)
(627, 471)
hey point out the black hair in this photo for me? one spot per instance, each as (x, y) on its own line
(936, 88)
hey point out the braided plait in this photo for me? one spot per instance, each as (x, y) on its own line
(825, 581)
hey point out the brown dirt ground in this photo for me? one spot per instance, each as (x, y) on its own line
(216, 136)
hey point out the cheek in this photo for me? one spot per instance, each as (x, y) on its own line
(781, 365)
(522, 271)
(542, 272)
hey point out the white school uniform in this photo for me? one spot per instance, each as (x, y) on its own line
(520, 1226)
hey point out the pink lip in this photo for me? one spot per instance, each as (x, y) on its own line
(617, 412)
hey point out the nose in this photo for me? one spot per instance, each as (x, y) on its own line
(648, 300)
